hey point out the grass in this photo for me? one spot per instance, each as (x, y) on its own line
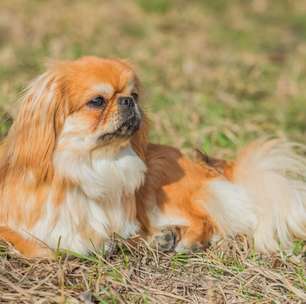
(228, 272)
(216, 74)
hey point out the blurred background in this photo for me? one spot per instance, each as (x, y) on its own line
(215, 73)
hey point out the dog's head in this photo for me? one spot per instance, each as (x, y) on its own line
(83, 106)
(102, 100)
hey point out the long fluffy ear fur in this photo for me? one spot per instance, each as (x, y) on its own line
(31, 140)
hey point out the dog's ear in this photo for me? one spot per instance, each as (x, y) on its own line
(31, 141)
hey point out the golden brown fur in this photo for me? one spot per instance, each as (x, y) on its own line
(28, 173)
(74, 172)
(172, 183)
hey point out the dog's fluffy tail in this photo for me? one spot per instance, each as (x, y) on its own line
(265, 197)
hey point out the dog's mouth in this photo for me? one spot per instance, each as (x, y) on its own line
(125, 130)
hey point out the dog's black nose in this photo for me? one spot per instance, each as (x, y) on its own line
(126, 102)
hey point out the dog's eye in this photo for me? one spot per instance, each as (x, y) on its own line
(135, 96)
(97, 102)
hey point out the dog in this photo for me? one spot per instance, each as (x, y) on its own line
(76, 167)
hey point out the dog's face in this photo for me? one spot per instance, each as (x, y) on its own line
(103, 99)
(79, 106)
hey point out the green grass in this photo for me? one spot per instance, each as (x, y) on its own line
(215, 75)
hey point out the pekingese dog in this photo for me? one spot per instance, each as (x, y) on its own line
(76, 167)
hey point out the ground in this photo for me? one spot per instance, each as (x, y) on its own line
(215, 75)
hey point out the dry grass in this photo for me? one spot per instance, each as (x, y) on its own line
(228, 272)
(216, 74)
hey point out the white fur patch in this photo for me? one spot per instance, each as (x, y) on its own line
(105, 185)
(104, 89)
(231, 207)
(100, 177)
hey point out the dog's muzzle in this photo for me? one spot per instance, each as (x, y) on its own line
(129, 119)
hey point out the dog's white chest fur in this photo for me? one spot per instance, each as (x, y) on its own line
(103, 202)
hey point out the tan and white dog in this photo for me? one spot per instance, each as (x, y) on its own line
(77, 167)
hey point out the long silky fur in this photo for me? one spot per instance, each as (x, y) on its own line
(266, 197)
(45, 195)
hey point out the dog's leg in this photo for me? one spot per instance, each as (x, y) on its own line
(184, 239)
(30, 247)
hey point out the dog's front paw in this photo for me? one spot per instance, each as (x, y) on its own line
(166, 240)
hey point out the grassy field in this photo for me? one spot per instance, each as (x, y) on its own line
(215, 75)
